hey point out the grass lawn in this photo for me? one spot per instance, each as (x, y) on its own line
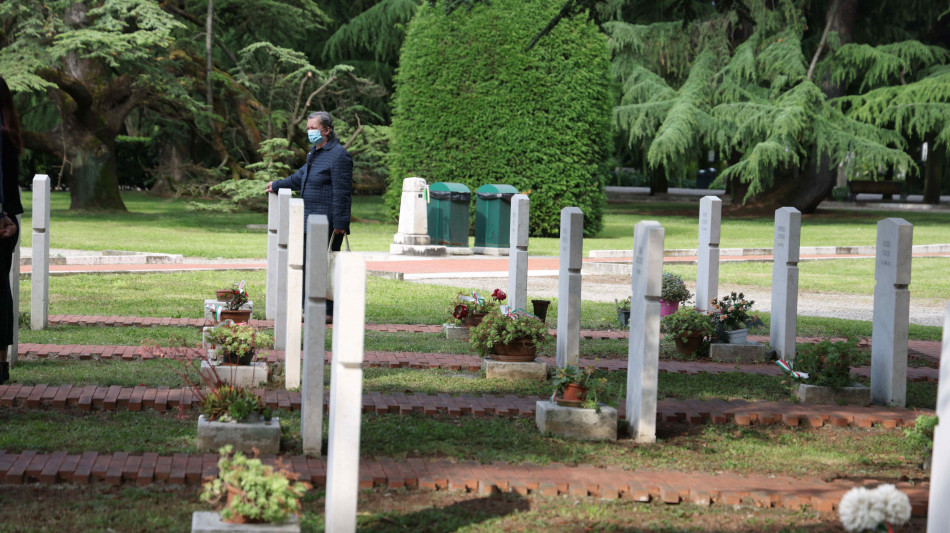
(166, 225)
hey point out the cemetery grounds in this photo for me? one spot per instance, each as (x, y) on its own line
(399, 366)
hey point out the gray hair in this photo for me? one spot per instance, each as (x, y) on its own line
(325, 120)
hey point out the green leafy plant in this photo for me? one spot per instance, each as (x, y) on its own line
(623, 304)
(687, 321)
(733, 310)
(226, 403)
(253, 490)
(674, 289)
(238, 342)
(237, 298)
(464, 305)
(921, 436)
(499, 328)
(827, 363)
(584, 378)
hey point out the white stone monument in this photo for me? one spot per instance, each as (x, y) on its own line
(891, 312)
(643, 354)
(412, 237)
(938, 508)
(294, 313)
(784, 321)
(569, 287)
(346, 393)
(270, 304)
(314, 335)
(39, 278)
(283, 235)
(518, 253)
(707, 264)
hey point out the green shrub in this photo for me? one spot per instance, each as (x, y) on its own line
(473, 107)
(921, 436)
(827, 363)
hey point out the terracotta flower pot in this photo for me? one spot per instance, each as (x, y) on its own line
(573, 395)
(239, 316)
(474, 319)
(223, 295)
(693, 341)
(233, 493)
(518, 351)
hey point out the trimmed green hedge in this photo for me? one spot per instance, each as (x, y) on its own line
(473, 107)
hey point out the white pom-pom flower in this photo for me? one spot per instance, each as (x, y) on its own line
(854, 509)
(896, 504)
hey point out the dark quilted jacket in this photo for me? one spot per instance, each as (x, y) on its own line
(325, 183)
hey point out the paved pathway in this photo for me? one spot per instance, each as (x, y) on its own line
(583, 480)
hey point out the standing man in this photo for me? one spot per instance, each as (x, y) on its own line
(325, 183)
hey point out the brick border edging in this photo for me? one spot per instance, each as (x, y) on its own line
(739, 412)
(379, 359)
(643, 485)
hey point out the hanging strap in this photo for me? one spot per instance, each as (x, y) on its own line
(346, 241)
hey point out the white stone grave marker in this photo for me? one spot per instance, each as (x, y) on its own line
(891, 312)
(643, 353)
(518, 253)
(39, 278)
(314, 336)
(707, 265)
(938, 507)
(294, 275)
(270, 304)
(784, 321)
(569, 287)
(283, 234)
(346, 392)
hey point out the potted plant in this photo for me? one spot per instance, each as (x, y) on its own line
(236, 416)
(469, 311)
(825, 369)
(623, 311)
(688, 327)
(508, 334)
(673, 292)
(236, 344)
(732, 314)
(251, 492)
(235, 305)
(575, 387)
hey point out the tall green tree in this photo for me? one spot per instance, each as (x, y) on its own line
(97, 61)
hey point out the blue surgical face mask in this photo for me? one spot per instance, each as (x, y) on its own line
(314, 136)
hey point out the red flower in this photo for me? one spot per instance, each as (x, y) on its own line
(499, 295)
(460, 312)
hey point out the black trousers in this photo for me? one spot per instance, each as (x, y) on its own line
(7, 247)
(336, 242)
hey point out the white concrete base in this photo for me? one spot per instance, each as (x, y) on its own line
(458, 250)
(246, 376)
(748, 353)
(490, 250)
(424, 251)
(576, 423)
(212, 304)
(412, 239)
(453, 332)
(244, 436)
(857, 395)
(210, 522)
(535, 370)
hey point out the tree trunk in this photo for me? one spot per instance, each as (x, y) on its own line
(93, 179)
(933, 173)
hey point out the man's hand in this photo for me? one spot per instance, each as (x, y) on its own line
(7, 227)
(338, 231)
(269, 189)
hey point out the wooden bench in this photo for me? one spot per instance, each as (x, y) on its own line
(884, 188)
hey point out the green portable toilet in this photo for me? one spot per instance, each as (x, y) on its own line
(447, 214)
(493, 216)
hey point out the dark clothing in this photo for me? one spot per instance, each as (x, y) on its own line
(10, 165)
(325, 183)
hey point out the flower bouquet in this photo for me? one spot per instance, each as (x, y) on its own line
(469, 310)
(879, 509)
